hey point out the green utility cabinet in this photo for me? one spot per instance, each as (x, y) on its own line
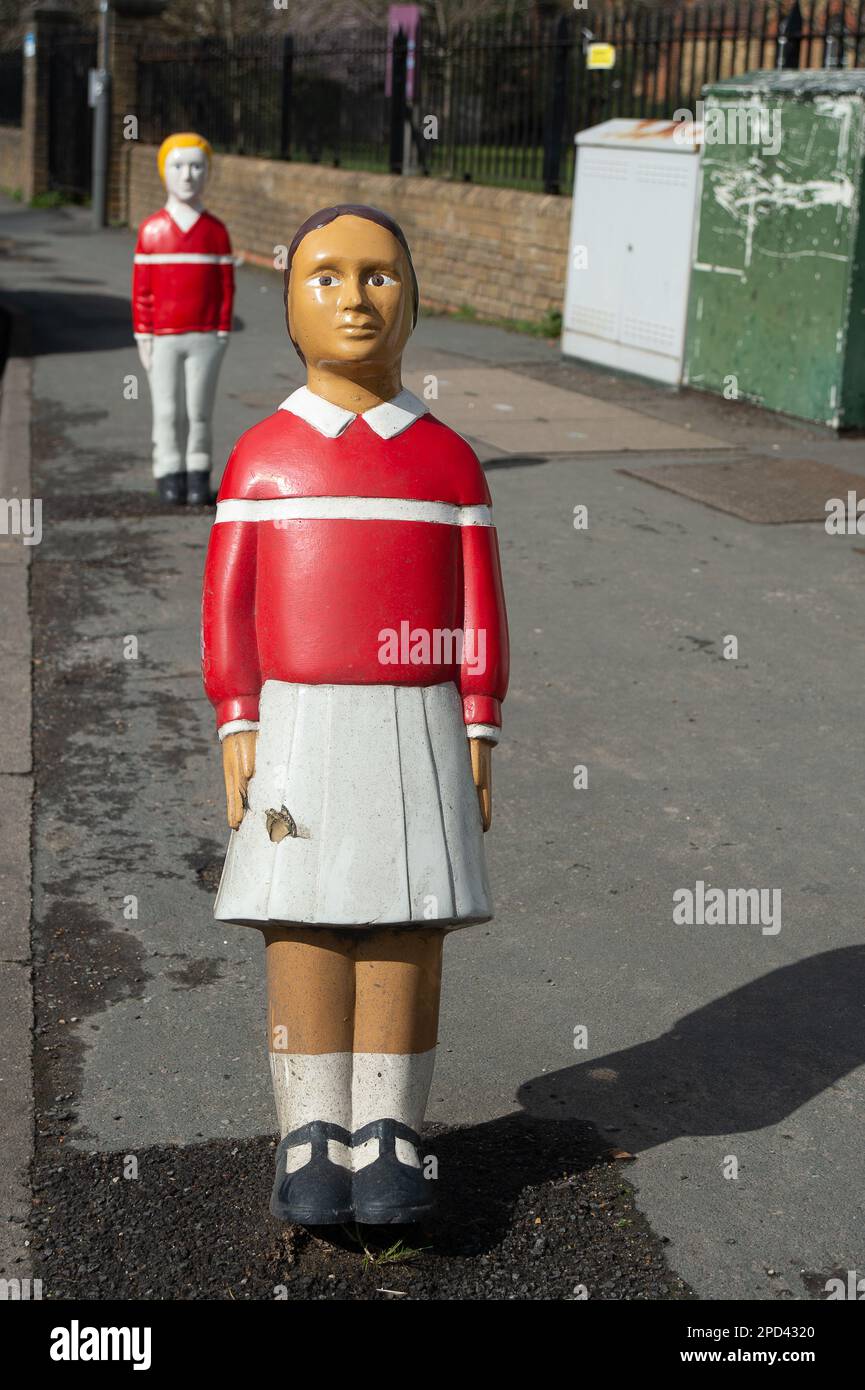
(776, 310)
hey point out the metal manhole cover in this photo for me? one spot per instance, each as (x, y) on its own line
(770, 491)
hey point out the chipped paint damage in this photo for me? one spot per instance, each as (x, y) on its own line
(280, 825)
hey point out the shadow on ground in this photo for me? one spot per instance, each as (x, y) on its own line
(743, 1062)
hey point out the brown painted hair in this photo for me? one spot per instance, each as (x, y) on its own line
(321, 219)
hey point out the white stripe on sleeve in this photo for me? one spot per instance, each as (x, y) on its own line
(237, 726)
(491, 732)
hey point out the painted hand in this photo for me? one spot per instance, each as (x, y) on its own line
(482, 772)
(145, 352)
(238, 765)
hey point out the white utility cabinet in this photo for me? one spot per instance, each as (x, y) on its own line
(629, 261)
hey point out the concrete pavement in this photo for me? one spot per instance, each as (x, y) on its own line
(704, 1043)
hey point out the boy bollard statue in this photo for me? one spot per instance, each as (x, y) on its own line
(182, 297)
(355, 649)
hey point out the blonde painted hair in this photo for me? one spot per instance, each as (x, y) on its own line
(183, 140)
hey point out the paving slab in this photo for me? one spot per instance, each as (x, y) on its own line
(520, 415)
(16, 1118)
(16, 795)
(14, 583)
(15, 755)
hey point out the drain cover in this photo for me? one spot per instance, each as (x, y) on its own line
(771, 491)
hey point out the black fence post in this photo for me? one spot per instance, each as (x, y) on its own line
(789, 38)
(398, 70)
(555, 113)
(287, 76)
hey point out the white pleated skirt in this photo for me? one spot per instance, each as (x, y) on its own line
(362, 813)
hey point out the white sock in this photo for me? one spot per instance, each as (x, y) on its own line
(390, 1086)
(351, 1089)
(312, 1087)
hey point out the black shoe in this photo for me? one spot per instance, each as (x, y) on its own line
(172, 488)
(319, 1193)
(198, 489)
(389, 1192)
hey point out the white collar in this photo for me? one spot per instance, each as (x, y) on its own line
(387, 420)
(184, 215)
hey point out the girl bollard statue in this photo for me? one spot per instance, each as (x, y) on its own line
(182, 296)
(355, 648)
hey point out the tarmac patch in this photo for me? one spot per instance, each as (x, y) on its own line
(528, 1210)
(764, 490)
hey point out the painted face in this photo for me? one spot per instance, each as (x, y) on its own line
(186, 172)
(349, 294)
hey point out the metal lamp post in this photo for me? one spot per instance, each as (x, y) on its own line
(99, 94)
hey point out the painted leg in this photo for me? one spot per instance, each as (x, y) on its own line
(397, 992)
(203, 362)
(310, 1006)
(167, 391)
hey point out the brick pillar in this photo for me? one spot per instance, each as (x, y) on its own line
(42, 21)
(124, 37)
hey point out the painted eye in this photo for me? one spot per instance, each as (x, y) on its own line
(326, 279)
(378, 278)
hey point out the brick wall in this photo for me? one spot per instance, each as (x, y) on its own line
(499, 252)
(11, 161)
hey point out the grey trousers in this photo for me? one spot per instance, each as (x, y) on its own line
(183, 376)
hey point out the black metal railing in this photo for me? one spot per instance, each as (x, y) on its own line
(11, 86)
(72, 54)
(318, 99)
(498, 103)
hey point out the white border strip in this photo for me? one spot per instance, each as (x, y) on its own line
(182, 258)
(16, 779)
(352, 509)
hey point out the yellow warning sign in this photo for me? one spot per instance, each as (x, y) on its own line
(600, 55)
